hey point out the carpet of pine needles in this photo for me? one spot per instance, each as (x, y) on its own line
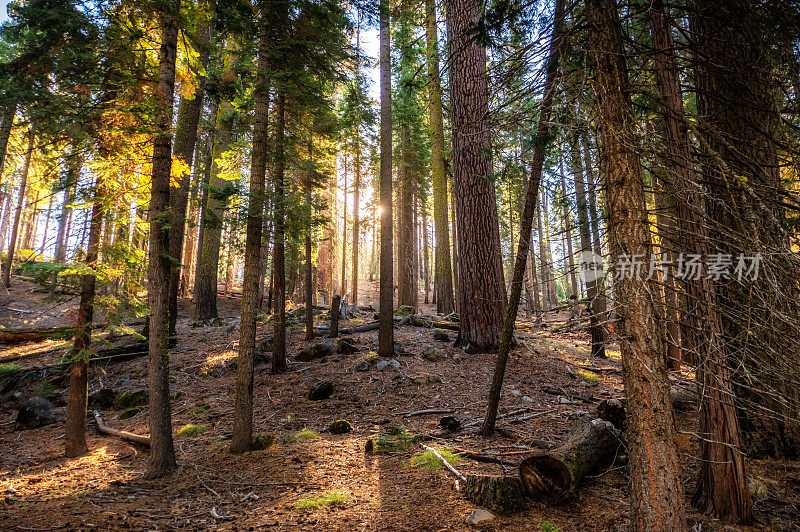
(325, 482)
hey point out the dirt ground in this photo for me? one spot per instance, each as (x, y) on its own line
(275, 488)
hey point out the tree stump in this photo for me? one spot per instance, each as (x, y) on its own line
(500, 494)
(335, 305)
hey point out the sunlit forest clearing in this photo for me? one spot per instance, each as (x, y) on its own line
(399, 265)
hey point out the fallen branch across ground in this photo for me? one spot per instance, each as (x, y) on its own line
(428, 411)
(129, 436)
(111, 354)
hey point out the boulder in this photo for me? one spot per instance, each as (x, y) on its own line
(314, 352)
(478, 516)
(36, 412)
(364, 365)
(340, 426)
(404, 310)
(321, 390)
(383, 364)
(262, 442)
(130, 412)
(432, 354)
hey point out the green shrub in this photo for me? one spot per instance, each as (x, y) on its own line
(306, 434)
(331, 498)
(190, 430)
(6, 369)
(428, 460)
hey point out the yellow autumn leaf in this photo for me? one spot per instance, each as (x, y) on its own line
(179, 169)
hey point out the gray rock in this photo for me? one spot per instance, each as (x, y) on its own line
(478, 516)
(441, 335)
(383, 364)
(36, 412)
(364, 365)
(321, 390)
(514, 392)
(526, 399)
(432, 354)
(314, 352)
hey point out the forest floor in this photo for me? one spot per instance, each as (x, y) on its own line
(321, 481)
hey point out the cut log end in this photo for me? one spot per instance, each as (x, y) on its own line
(546, 477)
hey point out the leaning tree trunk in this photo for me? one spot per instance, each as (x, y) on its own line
(543, 138)
(386, 330)
(12, 243)
(657, 489)
(162, 457)
(480, 264)
(243, 407)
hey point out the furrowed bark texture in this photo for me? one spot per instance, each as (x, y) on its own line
(162, 457)
(445, 303)
(386, 330)
(243, 407)
(482, 290)
(657, 490)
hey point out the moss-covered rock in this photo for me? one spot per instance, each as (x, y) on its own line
(340, 426)
(405, 310)
(314, 352)
(130, 399)
(346, 346)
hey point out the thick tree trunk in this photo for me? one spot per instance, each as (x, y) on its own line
(23, 184)
(386, 331)
(243, 406)
(6, 124)
(215, 201)
(279, 259)
(162, 457)
(407, 287)
(309, 284)
(445, 303)
(199, 194)
(189, 111)
(543, 138)
(343, 290)
(657, 490)
(739, 128)
(482, 288)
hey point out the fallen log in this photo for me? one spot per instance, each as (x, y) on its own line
(18, 336)
(125, 435)
(111, 354)
(432, 324)
(365, 327)
(552, 476)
